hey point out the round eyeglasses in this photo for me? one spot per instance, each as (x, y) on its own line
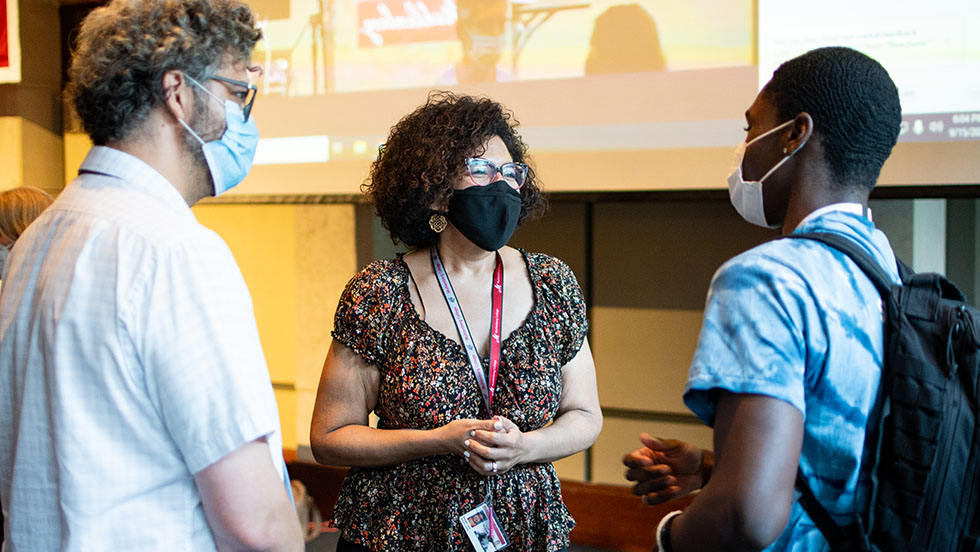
(483, 172)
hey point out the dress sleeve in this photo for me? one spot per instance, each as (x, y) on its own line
(364, 312)
(565, 308)
(753, 338)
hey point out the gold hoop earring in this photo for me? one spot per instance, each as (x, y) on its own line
(437, 223)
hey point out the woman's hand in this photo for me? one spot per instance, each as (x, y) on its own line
(497, 449)
(455, 435)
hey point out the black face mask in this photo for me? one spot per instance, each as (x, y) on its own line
(486, 215)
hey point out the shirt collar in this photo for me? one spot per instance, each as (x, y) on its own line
(138, 175)
(853, 208)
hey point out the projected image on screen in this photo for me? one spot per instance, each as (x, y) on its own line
(931, 50)
(315, 47)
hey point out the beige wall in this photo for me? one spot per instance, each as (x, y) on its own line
(296, 260)
(30, 111)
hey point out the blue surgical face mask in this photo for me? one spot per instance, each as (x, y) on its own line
(229, 158)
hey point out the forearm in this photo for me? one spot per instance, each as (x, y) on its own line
(363, 446)
(748, 502)
(280, 533)
(570, 432)
(712, 523)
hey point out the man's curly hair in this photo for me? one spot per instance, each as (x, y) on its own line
(123, 50)
(426, 151)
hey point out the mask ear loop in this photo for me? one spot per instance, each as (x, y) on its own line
(181, 119)
(788, 154)
(191, 130)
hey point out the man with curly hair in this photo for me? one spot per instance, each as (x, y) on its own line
(136, 411)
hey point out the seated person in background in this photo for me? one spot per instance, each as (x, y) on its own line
(471, 406)
(136, 411)
(18, 208)
(790, 353)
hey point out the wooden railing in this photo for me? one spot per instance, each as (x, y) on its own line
(607, 516)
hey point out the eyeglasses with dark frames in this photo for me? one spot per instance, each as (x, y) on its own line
(483, 172)
(246, 96)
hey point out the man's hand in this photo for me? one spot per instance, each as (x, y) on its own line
(664, 469)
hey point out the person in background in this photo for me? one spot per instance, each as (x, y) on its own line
(136, 411)
(475, 401)
(18, 208)
(789, 358)
(481, 26)
(624, 40)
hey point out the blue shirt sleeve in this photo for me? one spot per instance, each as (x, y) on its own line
(752, 340)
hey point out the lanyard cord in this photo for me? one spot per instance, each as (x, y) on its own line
(496, 319)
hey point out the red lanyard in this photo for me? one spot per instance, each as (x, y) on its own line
(496, 319)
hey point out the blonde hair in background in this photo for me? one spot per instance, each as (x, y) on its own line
(19, 207)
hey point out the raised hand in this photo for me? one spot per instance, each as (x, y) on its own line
(664, 469)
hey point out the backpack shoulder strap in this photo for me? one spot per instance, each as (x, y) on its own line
(868, 264)
(854, 536)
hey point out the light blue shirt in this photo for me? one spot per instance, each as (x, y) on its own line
(129, 361)
(799, 321)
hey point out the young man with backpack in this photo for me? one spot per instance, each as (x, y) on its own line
(789, 360)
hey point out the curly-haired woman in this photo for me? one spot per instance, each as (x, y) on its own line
(472, 354)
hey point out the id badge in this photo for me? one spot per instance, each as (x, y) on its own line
(484, 530)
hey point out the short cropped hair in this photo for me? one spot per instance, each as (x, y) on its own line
(854, 104)
(123, 50)
(427, 150)
(19, 207)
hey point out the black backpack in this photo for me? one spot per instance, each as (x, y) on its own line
(925, 478)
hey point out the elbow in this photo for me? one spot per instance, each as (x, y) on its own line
(331, 447)
(278, 529)
(322, 450)
(595, 426)
(756, 526)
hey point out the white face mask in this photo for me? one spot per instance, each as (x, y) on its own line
(746, 196)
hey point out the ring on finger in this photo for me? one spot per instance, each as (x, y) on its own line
(493, 465)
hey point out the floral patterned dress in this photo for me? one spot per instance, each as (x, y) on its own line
(426, 382)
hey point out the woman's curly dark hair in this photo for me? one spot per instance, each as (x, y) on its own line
(123, 50)
(426, 152)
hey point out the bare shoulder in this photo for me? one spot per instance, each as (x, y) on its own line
(418, 261)
(514, 263)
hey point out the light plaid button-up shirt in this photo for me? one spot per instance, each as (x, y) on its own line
(129, 361)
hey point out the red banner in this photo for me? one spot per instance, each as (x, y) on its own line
(4, 47)
(385, 22)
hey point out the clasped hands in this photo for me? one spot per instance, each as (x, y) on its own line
(490, 446)
(664, 469)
